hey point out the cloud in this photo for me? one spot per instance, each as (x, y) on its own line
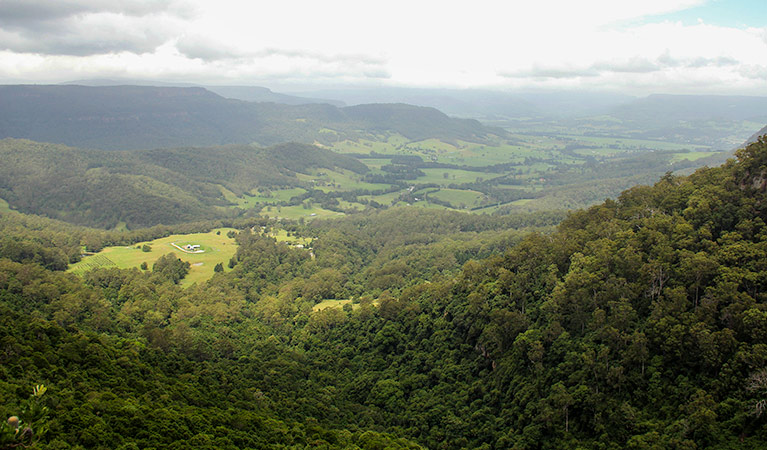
(552, 72)
(82, 28)
(635, 65)
(21, 13)
(630, 65)
(754, 72)
(489, 43)
(206, 49)
(698, 62)
(210, 49)
(304, 63)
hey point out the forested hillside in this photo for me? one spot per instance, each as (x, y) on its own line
(638, 323)
(146, 188)
(144, 117)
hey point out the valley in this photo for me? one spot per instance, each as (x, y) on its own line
(386, 284)
(343, 225)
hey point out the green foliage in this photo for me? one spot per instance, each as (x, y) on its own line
(639, 323)
(26, 430)
(171, 267)
(146, 188)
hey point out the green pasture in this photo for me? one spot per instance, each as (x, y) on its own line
(423, 203)
(4, 206)
(298, 211)
(217, 248)
(337, 304)
(691, 156)
(454, 176)
(384, 199)
(479, 155)
(630, 144)
(459, 198)
(264, 197)
(282, 236)
(351, 205)
(338, 180)
(384, 144)
(601, 152)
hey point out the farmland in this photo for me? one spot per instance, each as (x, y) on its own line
(216, 245)
(522, 172)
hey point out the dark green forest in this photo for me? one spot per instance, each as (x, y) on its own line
(638, 323)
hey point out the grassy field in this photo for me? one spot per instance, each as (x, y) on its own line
(217, 248)
(262, 198)
(325, 304)
(533, 161)
(4, 207)
(630, 144)
(387, 144)
(282, 236)
(298, 211)
(459, 198)
(339, 304)
(338, 180)
(690, 156)
(384, 199)
(454, 176)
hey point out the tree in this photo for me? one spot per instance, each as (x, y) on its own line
(171, 267)
(25, 430)
(146, 248)
(757, 384)
(219, 268)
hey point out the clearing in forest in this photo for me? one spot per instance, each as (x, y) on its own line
(215, 245)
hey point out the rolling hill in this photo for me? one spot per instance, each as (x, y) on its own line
(143, 117)
(147, 187)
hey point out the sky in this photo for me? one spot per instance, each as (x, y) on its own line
(635, 46)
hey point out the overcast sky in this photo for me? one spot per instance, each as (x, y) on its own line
(635, 46)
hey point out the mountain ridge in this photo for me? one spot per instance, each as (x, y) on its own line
(141, 117)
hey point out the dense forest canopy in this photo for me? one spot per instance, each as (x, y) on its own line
(638, 323)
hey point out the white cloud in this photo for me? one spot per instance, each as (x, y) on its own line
(551, 43)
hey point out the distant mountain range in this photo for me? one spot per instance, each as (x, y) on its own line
(245, 93)
(479, 103)
(140, 117)
(262, 94)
